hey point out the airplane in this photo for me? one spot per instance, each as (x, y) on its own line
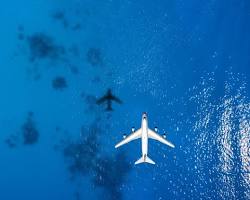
(144, 133)
(108, 97)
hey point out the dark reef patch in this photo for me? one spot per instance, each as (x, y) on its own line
(21, 35)
(110, 174)
(83, 157)
(94, 57)
(77, 27)
(80, 154)
(90, 102)
(12, 141)
(74, 69)
(42, 46)
(20, 28)
(29, 131)
(59, 83)
(60, 16)
(29, 134)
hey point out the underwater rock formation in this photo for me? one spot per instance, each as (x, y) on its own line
(90, 102)
(29, 131)
(42, 46)
(21, 35)
(12, 141)
(59, 83)
(80, 154)
(94, 57)
(74, 69)
(110, 174)
(29, 134)
(60, 16)
(77, 27)
(83, 158)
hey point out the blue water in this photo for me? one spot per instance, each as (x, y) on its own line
(186, 63)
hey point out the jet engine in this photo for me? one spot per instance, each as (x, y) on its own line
(133, 129)
(164, 135)
(156, 129)
(124, 136)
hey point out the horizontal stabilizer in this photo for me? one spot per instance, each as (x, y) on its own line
(144, 159)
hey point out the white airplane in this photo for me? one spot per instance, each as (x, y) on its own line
(144, 133)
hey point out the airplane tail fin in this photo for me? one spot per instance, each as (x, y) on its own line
(144, 159)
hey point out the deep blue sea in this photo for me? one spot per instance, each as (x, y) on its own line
(185, 63)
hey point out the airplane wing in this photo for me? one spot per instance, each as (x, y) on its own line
(132, 136)
(155, 136)
(116, 99)
(101, 100)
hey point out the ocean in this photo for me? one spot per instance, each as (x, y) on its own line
(185, 63)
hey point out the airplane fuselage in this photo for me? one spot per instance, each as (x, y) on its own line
(144, 133)
(144, 138)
